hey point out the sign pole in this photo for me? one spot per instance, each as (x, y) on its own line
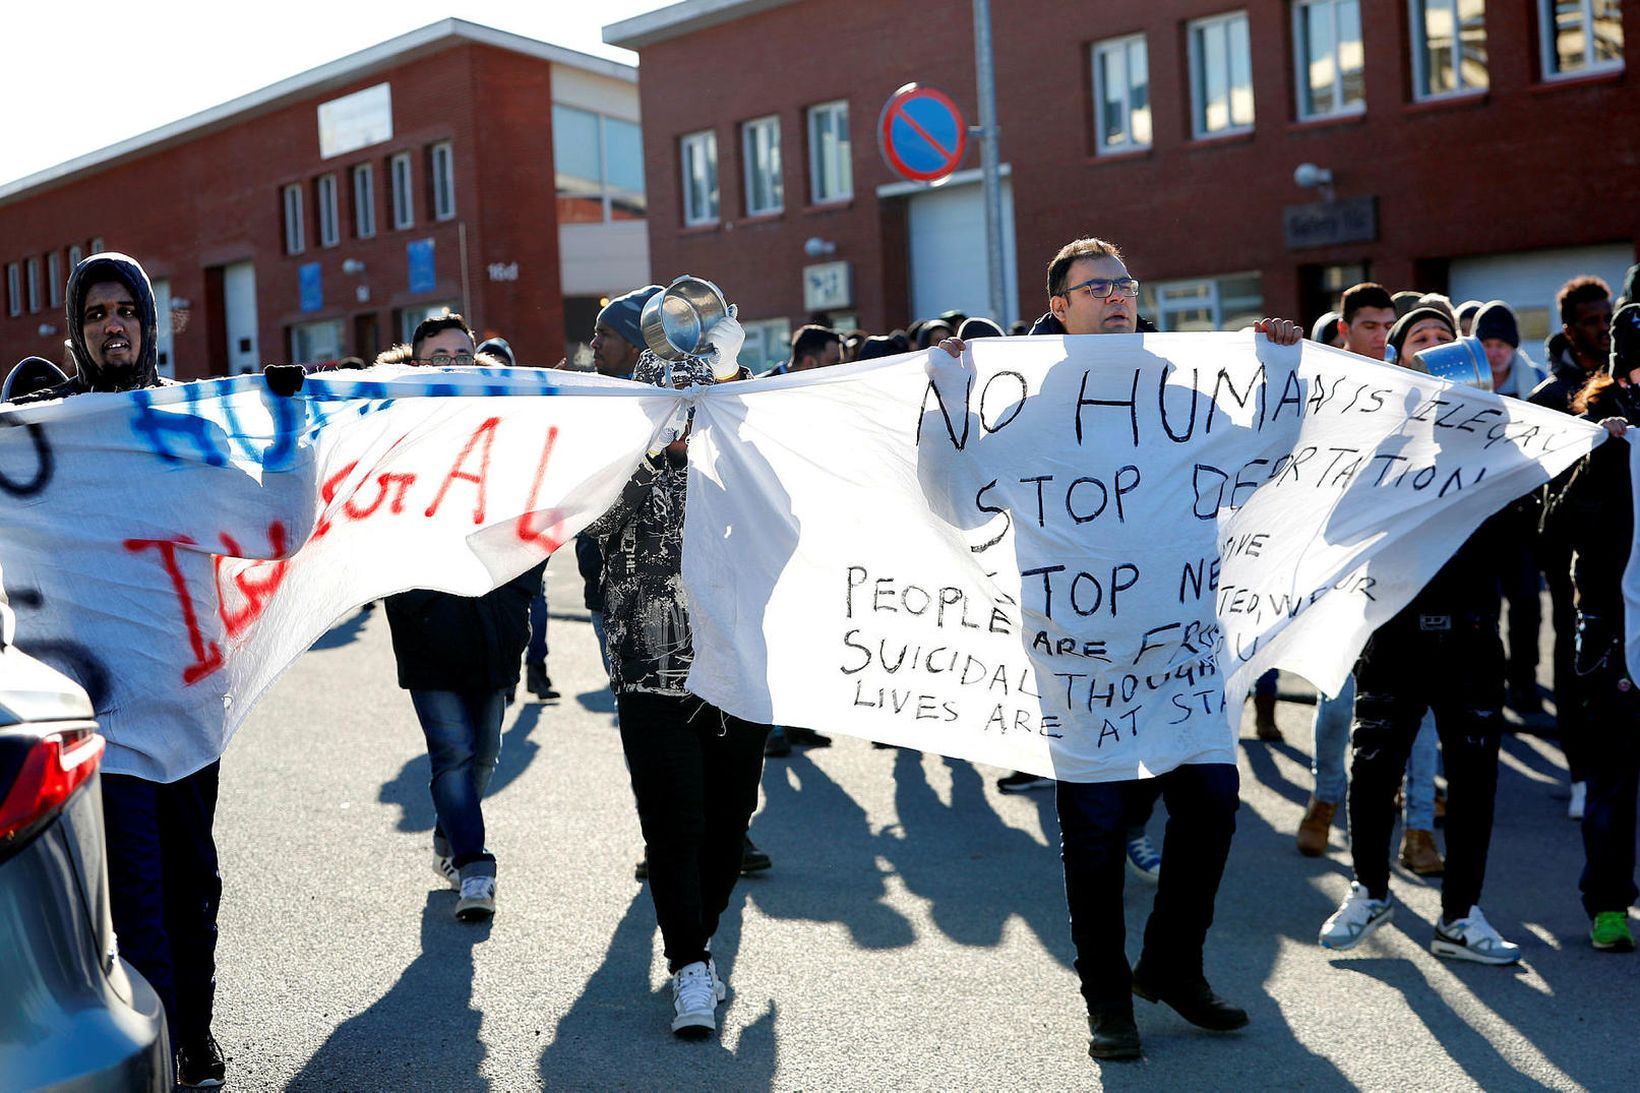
(989, 159)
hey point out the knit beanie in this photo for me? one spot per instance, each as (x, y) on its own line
(1403, 326)
(1497, 320)
(1625, 354)
(1325, 328)
(622, 313)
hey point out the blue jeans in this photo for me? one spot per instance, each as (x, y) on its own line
(463, 731)
(1332, 742)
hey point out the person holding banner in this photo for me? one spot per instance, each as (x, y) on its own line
(1091, 292)
(695, 769)
(1441, 652)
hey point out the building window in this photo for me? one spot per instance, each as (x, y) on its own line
(1210, 303)
(330, 228)
(32, 267)
(831, 164)
(1581, 36)
(1327, 43)
(295, 236)
(1448, 47)
(97, 245)
(597, 166)
(444, 181)
(54, 279)
(1121, 95)
(698, 153)
(14, 290)
(768, 343)
(404, 210)
(760, 152)
(364, 201)
(76, 255)
(1221, 75)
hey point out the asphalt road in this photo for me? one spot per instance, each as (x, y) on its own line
(911, 935)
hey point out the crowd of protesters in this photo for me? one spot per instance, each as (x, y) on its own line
(1428, 693)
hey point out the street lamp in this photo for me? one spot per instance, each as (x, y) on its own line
(1311, 177)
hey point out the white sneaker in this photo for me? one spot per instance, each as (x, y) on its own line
(477, 898)
(445, 867)
(1580, 799)
(695, 995)
(1143, 859)
(1473, 938)
(1358, 916)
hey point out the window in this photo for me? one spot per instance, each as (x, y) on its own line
(444, 181)
(75, 256)
(1327, 41)
(597, 166)
(54, 278)
(316, 343)
(364, 201)
(760, 151)
(700, 181)
(14, 290)
(768, 342)
(1448, 47)
(1581, 36)
(32, 268)
(295, 236)
(97, 245)
(1121, 95)
(1221, 75)
(831, 166)
(1222, 303)
(330, 230)
(404, 211)
(411, 317)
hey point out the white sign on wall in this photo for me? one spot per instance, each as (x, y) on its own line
(356, 121)
(827, 285)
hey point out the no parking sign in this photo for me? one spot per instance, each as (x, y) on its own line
(922, 133)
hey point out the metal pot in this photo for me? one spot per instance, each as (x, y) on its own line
(1462, 361)
(675, 321)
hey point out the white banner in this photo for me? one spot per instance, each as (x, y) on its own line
(174, 549)
(1065, 555)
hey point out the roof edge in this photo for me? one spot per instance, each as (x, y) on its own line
(680, 19)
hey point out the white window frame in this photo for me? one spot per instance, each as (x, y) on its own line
(402, 180)
(14, 290)
(839, 156)
(295, 229)
(31, 277)
(97, 245)
(760, 157)
(330, 226)
(75, 256)
(767, 344)
(442, 165)
(1159, 294)
(54, 279)
(364, 201)
(1301, 60)
(700, 150)
(1198, 94)
(1417, 20)
(1119, 51)
(1550, 54)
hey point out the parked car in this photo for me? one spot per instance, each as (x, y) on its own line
(73, 1014)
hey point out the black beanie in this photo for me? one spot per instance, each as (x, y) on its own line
(1497, 320)
(1625, 355)
(1403, 326)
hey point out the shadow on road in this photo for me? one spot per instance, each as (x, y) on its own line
(424, 1032)
(345, 632)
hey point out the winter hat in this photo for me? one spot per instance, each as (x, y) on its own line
(1497, 320)
(978, 327)
(499, 349)
(622, 313)
(31, 374)
(1403, 326)
(1467, 311)
(1325, 328)
(1625, 354)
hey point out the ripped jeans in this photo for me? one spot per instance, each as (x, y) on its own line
(1453, 666)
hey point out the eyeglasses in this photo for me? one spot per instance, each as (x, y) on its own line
(1103, 288)
(445, 360)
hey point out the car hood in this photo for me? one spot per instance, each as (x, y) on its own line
(31, 691)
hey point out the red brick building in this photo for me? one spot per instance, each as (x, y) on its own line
(1488, 148)
(327, 214)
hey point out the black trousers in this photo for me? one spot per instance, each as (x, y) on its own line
(164, 888)
(1411, 664)
(1612, 703)
(695, 773)
(1523, 592)
(1094, 818)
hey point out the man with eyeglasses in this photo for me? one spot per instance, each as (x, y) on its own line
(1091, 292)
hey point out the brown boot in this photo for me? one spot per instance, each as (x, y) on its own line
(1315, 828)
(1264, 719)
(1418, 853)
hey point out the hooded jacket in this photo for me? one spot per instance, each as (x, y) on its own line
(89, 376)
(1566, 375)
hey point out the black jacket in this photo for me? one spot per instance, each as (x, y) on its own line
(1566, 376)
(444, 642)
(1595, 514)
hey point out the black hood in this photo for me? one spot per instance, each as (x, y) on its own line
(111, 266)
(1049, 324)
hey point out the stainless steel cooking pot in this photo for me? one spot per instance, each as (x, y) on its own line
(676, 321)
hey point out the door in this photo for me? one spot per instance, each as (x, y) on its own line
(948, 270)
(239, 296)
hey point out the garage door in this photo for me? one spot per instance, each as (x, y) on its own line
(948, 269)
(1528, 280)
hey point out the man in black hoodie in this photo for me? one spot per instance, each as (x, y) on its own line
(162, 862)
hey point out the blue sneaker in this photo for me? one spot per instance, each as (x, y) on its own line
(1144, 860)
